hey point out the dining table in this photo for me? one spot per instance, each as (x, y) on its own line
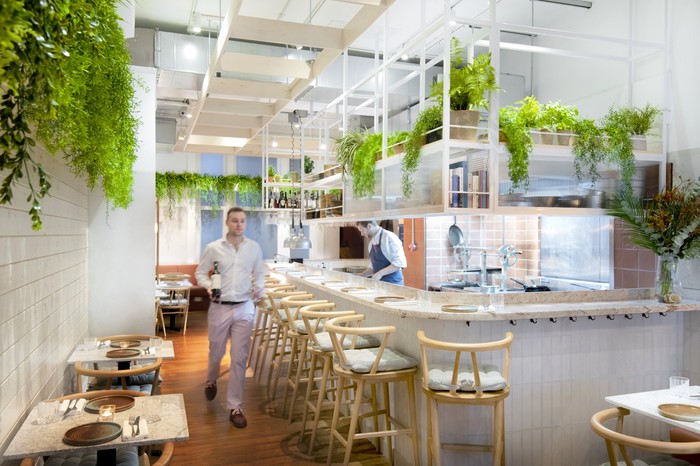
(163, 286)
(663, 405)
(34, 439)
(98, 353)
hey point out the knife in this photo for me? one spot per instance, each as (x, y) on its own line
(138, 427)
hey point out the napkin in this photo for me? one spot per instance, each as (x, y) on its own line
(404, 302)
(127, 431)
(78, 407)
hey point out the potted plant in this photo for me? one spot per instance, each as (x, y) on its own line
(396, 142)
(639, 121)
(345, 148)
(270, 173)
(308, 164)
(428, 125)
(469, 88)
(559, 119)
(618, 144)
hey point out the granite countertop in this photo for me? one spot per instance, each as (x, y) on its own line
(491, 307)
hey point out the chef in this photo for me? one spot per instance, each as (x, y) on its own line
(386, 255)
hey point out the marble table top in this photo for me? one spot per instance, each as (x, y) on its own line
(647, 403)
(80, 354)
(492, 307)
(34, 440)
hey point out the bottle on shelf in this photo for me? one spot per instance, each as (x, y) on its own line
(283, 200)
(294, 201)
(216, 282)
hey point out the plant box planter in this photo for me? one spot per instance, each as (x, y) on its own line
(460, 118)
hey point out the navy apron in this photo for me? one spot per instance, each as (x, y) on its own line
(379, 261)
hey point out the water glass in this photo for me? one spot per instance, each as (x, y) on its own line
(155, 342)
(152, 406)
(47, 412)
(89, 343)
(680, 386)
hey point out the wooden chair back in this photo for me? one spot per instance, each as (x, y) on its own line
(348, 326)
(105, 375)
(315, 317)
(291, 305)
(456, 353)
(616, 440)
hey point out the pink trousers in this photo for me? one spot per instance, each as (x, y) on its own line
(234, 322)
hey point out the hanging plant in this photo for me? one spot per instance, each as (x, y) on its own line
(427, 122)
(66, 81)
(213, 190)
(363, 165)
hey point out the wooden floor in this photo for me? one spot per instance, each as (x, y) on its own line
(269, 438)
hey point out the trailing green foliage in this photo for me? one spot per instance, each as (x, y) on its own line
(554, 116)
(589, 149)
(66, 81)
(308, 164)
(394, 139)
(345, 148)
(519, 144)
(363, 166)
(427, 122)
(214, 190)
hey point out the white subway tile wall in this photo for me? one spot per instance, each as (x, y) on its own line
(43, 293)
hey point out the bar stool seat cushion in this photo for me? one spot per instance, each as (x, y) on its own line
(126, 456)
(362, 341)
(656, 460)
(361, 360)
(440, 379)
(300, 326)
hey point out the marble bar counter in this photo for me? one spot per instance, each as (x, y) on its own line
(475, 306)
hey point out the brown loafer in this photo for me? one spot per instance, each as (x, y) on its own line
(238, 419)
(210, 391)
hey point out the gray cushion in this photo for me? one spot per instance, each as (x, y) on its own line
(361, 360)
(126, 456)
(656, 460)
(440, 379)
(363, 341)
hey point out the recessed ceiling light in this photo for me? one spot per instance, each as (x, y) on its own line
(404, 57)
(274, 142)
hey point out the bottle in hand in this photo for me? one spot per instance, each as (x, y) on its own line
(216, 282)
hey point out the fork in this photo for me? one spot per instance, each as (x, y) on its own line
(132, 423)
(72, 404)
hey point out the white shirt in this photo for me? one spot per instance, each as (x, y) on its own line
(241, 270)
(391, 247)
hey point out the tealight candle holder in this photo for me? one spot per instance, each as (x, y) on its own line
(107, 413)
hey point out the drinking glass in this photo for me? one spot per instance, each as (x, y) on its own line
(89, 343)
(47, 412)
(152, 406)
(680, 386)
(155, 342)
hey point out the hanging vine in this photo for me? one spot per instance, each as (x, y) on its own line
(65, 82)
(212, 190)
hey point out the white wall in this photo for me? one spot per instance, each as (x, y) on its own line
(43, 293)
(121, 256)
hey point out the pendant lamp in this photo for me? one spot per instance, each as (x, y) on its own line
(296, 238)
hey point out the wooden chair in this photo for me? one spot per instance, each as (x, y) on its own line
(128, 454)
(292, 348)
(372, 367)
(262, 317)
(270, 336)
(321, 351)
(177, 302)
(144, 378)
(615, 439)
(448, 379)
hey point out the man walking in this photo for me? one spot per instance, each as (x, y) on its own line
(239, 261)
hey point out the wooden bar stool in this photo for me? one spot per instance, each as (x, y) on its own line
(260, 327)
(292, 349)
(448, 379)
(321, 350)
(270, 336)
(357, 368)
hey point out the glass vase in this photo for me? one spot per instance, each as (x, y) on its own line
(668, 286)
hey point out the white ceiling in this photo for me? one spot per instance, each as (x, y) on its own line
(258, 86)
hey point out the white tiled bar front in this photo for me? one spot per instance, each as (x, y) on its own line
(561, 369)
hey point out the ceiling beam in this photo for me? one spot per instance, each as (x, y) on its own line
(240, 107)
(286, 32)
(222, 119)
(223, 131)
(264, 65)
(239, 87)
